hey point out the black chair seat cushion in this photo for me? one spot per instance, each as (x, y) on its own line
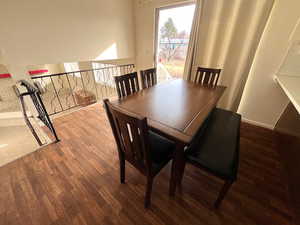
(217, 148)
(161, 148)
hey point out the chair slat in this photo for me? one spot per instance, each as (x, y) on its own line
(122, 89)
(127, 86)
(212, 79)
(137, 145)
(132, 84)
(206, 78)
(118, 90)
(201, 76)
(124, 133)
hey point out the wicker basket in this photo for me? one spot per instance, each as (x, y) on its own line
(84, 98)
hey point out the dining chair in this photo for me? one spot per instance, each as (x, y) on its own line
(147, 151)
(215, 149)
(207, 76)
(127, 84)
(149, 77)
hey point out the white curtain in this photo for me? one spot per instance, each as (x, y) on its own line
(225, 35)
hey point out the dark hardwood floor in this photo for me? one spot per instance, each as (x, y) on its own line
(77, 182)
(288, 129)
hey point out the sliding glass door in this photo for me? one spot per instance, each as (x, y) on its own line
(173, 27)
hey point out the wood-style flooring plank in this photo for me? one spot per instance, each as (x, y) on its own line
(76, 181)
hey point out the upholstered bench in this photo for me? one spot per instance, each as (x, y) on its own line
(216, 148)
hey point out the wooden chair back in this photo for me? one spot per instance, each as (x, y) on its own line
(131, 135)
(127, 84)
(149, 77)
(207, 76)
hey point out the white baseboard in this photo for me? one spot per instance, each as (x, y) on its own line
(12, 122)
(10, 115)
(8, 119)
(264, 125)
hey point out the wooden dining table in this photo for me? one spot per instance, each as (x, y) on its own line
(176, 110)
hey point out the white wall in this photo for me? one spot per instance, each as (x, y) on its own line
(3, 69)
(43, 32)
(263, 100)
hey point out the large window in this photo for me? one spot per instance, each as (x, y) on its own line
(72, 67)
(172, 38)
(103, 75)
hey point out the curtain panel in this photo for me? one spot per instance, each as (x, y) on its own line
(225, 35)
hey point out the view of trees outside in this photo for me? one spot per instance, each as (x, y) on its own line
(173, 38)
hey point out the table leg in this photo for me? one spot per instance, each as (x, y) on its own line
(177, 168)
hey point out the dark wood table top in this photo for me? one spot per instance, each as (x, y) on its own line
(176, 108)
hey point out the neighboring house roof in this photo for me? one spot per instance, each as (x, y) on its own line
(174, 41)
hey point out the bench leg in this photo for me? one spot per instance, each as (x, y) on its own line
(122, 170)
(148, 191)
(222, 193)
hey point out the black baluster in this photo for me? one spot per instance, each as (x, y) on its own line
(62, 109)
(71, 90)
